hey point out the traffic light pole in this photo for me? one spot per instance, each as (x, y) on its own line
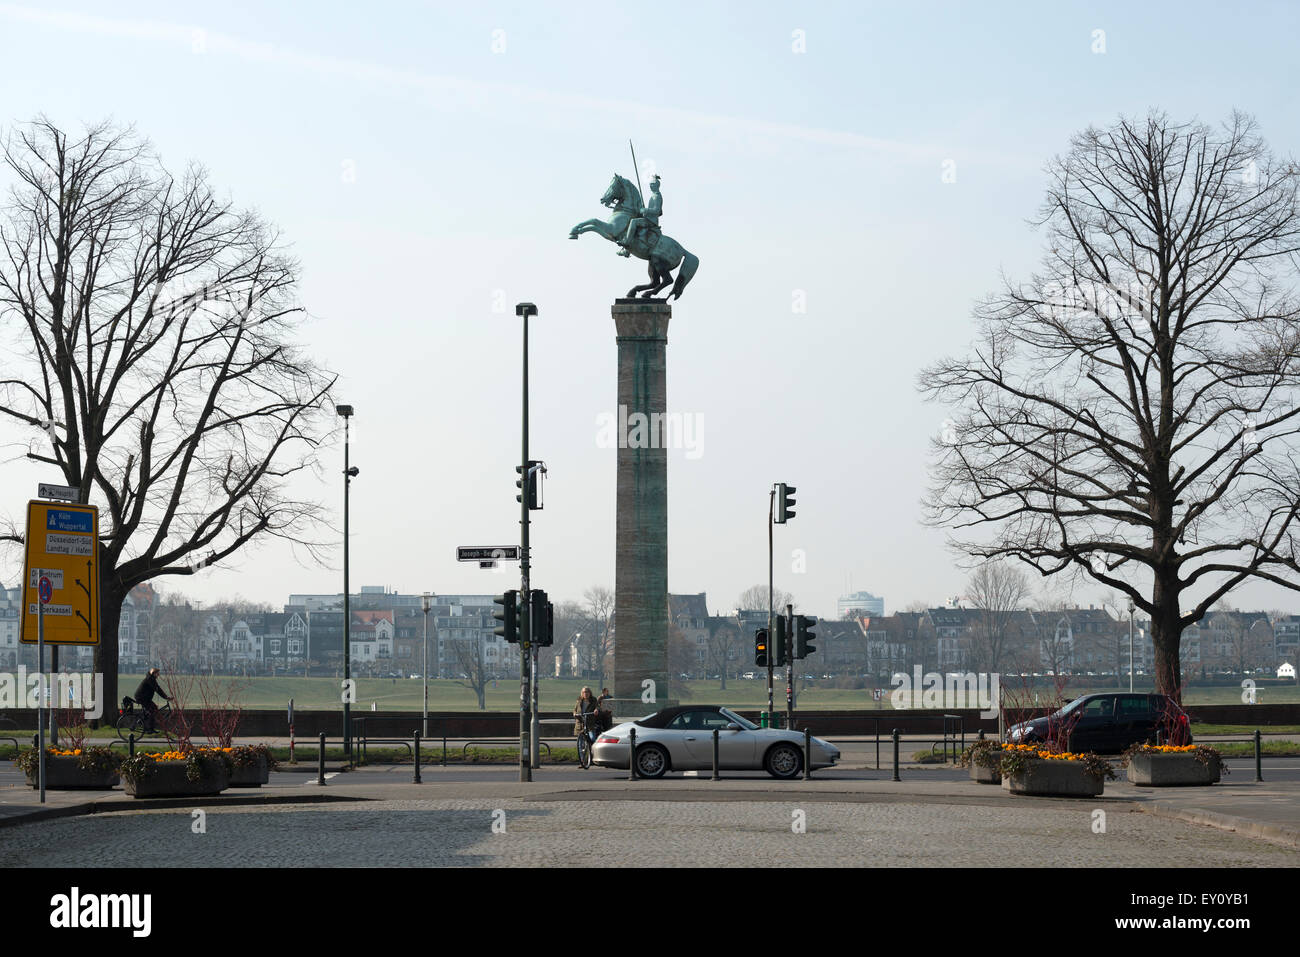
(524, 309)
(771, 517)
(789, 667)
(534, 729)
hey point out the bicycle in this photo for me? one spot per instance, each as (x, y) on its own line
(591, 727)
(133, 722)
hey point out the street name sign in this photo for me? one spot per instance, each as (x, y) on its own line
(487, 553)
(64, 493)
(61, 570)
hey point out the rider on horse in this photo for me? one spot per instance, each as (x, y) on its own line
(649, 219)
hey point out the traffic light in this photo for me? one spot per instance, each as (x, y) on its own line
(784, 502)
(803, 626)
(508, 616)
(534, 480)
(780, 644)
(760, 647)
(541, 618)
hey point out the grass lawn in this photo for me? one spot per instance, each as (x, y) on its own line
(1244, 729)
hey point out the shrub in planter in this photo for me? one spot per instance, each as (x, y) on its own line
(1173, 766)
(194, 773)
(984, 758)
(252, 765)
(76, 769)
(1026, 769)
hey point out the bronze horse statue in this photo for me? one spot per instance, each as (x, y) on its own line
(662, 252)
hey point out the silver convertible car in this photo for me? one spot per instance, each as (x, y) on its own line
(681, 739)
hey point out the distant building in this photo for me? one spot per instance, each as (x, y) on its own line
(1286, 638)
(861, 604)
(10, 608)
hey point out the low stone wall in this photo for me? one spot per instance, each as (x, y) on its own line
(505, 724)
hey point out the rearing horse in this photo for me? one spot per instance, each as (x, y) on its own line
(663, 257)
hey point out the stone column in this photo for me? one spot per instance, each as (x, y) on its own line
(641, 541)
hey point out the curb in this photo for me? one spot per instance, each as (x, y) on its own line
(112, 805)
(1273, 833)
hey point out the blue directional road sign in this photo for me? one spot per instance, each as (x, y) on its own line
(61, 573)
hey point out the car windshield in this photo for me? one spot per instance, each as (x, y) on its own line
(732, 716)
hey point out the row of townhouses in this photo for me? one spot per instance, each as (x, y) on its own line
(1068, 640)
(388, 632)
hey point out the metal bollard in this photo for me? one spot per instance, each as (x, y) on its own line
(320, 767)
(716, 775)
(631, 755)
(417, 758)
(1259, 765)
(444, 748)
(807, 754)
(896, 777)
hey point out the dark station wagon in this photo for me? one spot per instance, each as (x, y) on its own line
(1108, 723)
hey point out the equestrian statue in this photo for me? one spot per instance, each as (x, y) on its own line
(635, 227)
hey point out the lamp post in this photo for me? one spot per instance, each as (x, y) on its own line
(1131, 608)
(349, 473)
(524, 310)
(426, 602)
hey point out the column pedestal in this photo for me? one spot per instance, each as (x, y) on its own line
(641, 538)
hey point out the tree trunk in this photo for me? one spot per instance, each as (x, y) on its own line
(106, 657)
(1166, 635)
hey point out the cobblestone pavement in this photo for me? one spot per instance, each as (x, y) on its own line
(630, 833)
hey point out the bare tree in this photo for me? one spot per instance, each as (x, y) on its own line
(598, 633)
(149, 358)
(1055, 634)
(1129, 413)
(754, 598)
(723, 642)
(682, 660)
(999, 592)
(468, 653)
(175, 628)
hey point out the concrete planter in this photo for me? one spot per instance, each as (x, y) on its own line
(1172, 770)
(62, 774)
(168, 780)
(983, 775)
(250, 775)
(1054, 779)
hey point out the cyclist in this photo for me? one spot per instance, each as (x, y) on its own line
(144, 695)
(587, 705)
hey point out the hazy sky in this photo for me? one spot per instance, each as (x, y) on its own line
(427, 160)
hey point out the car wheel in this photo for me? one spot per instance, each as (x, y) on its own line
(651, 761)
(783, 761)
